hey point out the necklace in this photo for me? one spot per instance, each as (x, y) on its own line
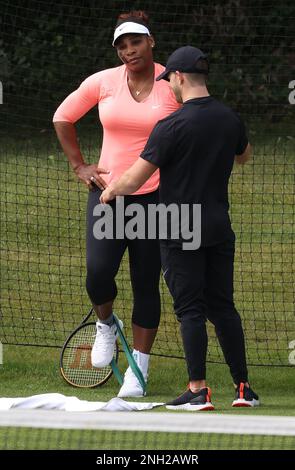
(137, 92)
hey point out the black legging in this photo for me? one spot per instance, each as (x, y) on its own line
(201, 284)
(104, 258)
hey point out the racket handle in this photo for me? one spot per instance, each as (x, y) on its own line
(131, 361)
(116, 371)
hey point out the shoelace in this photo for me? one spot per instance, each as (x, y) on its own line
(108, 338)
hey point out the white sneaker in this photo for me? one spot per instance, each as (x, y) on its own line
(103, 348)
(131, 386)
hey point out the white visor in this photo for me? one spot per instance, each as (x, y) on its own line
(130, 27)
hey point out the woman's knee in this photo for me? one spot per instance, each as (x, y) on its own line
(147, 319)
(100, 284)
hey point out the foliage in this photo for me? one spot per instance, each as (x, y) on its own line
(49, 48)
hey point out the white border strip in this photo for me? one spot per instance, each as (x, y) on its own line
(154, 422)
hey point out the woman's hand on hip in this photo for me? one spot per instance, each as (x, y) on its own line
(90, 175)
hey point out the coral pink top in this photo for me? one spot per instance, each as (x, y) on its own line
(126, 123)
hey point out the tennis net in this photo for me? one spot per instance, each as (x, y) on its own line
(50, 430)
(47, 50)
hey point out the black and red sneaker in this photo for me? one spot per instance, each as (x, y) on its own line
(190, 401)
(245, 397)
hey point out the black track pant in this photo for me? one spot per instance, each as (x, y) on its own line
(201, 284)
(104, 258)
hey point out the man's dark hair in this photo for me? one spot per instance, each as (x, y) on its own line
(202, 66)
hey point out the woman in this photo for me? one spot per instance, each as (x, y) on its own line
(130, 103)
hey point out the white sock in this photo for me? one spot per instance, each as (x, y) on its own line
(142, 360)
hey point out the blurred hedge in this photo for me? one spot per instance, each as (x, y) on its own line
(48, 48)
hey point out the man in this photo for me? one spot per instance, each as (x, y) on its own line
(195, 148)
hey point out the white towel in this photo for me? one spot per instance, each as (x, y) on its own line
(57, 401)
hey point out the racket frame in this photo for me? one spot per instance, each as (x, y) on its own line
(64, 375)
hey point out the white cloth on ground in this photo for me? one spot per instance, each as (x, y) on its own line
(57, 401)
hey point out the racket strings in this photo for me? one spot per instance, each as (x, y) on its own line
(76, 364)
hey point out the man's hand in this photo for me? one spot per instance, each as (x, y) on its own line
(107, 195)
(130, 181)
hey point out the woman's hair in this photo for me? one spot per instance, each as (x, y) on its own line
(137, 16)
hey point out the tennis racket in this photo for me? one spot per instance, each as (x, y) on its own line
(75, 358)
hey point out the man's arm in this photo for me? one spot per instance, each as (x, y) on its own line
(245, 157)
(130, 181)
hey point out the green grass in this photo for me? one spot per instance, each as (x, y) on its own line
(43, 295)
(43, 245)
(30, 371)
(33, 370)
(41, 439)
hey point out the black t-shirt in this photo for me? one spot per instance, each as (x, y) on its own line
(194, 148)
